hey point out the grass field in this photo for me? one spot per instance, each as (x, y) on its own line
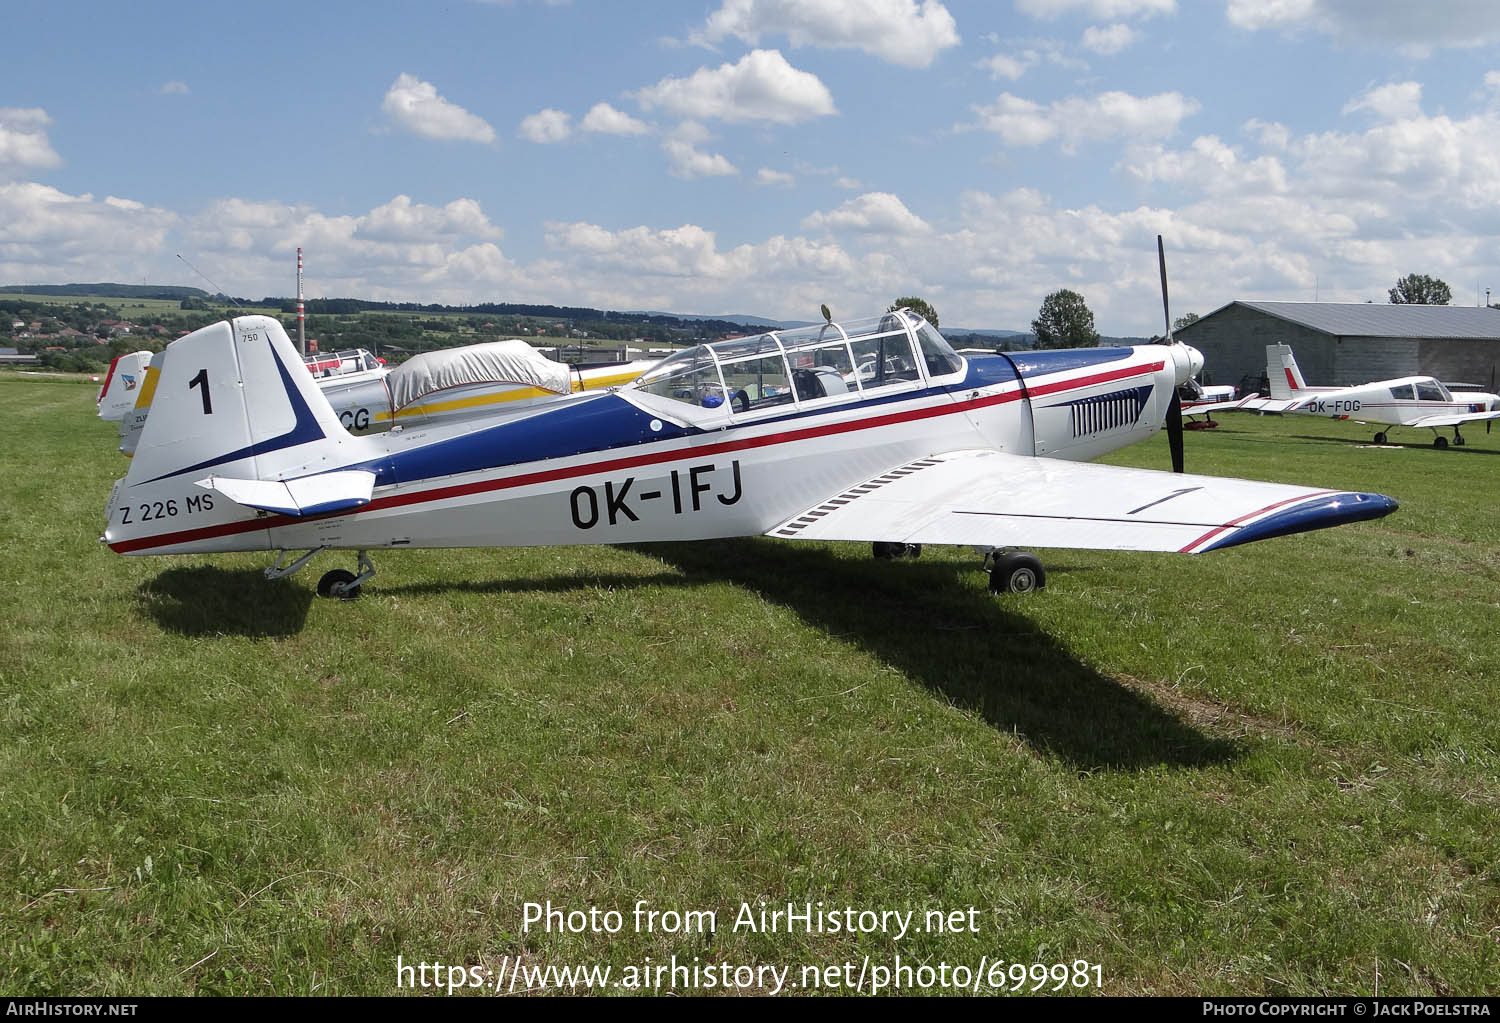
(1271, 769)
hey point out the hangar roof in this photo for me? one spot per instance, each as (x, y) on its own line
(1366, 319)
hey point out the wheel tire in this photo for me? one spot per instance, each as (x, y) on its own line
(886, 550)
(1017, 573)
(1440, 443)
(1458, 441)
(338, 577)
(1380, 438)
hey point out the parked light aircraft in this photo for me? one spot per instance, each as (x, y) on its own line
(122, 385)
(485, 380)
(1419, 402)
(779, 434)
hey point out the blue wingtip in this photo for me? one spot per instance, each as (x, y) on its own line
(1318, 513)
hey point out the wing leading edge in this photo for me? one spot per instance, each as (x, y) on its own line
(993, 499)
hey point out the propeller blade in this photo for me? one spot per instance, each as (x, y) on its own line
(1174, 431)
(1161, 259)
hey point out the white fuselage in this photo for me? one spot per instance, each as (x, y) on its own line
(1400, 402)
(629, 466)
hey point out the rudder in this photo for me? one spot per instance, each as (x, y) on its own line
(1285, 379)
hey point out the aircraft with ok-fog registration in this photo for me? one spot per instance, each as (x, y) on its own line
(873, 430)
(1422, 403)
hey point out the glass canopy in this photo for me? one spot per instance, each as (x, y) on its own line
(792, 367)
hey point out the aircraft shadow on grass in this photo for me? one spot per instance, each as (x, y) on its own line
(549, 584)
(204, 600)
(1415, 441)
(962, 644)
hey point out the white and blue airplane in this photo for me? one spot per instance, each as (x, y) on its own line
(873, 431)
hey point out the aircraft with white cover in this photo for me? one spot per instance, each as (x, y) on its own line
(779, 434)
(489, 380)
(1418, 402)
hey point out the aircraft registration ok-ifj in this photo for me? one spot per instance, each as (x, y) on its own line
(1419, 402)
(869, 431)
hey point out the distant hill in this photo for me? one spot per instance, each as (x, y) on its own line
(170, 292)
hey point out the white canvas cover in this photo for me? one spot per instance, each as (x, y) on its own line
(493, 362)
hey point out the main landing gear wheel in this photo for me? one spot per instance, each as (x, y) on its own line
(345, 585)
(1380, 438)
(1440, 443)
(1017, 572)
(1458, 439)
(887, 551)
(337, 584)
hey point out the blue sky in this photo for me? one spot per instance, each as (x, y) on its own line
(758, 156)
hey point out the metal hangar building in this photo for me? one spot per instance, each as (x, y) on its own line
(1338, 344)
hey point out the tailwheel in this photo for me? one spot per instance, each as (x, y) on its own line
(885, 550)
(1017, 572)
(1380, 438)
(337, 584)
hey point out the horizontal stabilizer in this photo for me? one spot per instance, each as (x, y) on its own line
(310, 495)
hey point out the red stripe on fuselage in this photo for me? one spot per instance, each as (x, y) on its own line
(632, 461)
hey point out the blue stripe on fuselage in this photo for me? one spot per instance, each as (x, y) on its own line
(1040, 363)
(609, 422)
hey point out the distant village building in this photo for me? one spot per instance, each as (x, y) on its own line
(1337, 343)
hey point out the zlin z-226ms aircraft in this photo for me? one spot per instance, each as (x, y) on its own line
(869, 431)
(1419, 402)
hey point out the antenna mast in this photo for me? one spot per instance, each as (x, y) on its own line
(301, 318)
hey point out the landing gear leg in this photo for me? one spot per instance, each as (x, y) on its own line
(1016, 572)
(1458, 438)
(280, 571)
(344, 585)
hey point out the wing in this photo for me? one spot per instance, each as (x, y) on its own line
(1453, 419)
(992, 499)
(1255, 403)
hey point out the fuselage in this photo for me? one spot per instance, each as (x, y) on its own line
(662, 460)
(1398, 402)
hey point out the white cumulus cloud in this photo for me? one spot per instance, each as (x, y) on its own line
(760, 86)
(1078, 119)
(547, 125)
(1109, 40)
(902, 32)
(873, 212)
(1413, 28)
(415, 105)
(1392, 102)
(1103, 10)
(23, 140)
(606, 120)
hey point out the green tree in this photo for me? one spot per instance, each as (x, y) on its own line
(918, 306)
(1419, 289)
(1184, 321)
(1064, 322)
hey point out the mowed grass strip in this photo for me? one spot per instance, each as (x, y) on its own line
(1271, 769)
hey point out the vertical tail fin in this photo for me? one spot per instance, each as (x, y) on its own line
(122, 385)
(1281, 370)
(234, 399)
